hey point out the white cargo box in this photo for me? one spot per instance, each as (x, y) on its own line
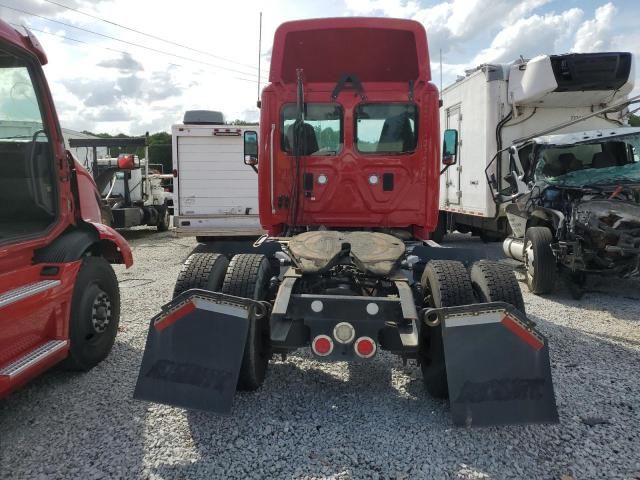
(215, 193)
(494, 105)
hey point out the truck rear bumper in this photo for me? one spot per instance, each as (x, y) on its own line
(310, 316)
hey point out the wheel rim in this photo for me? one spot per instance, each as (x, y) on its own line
(529, 261)
(101, 313)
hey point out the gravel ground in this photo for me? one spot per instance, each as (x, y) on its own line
(318, 420)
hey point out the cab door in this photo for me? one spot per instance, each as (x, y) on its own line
(453, 119)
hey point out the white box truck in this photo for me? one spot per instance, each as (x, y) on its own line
(215, 194)
(495, 105)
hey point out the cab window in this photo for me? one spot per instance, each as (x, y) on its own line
(27, 186)
(389, 128)
(321, 132)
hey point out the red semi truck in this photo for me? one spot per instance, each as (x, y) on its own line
(348, 163)
(59, 296)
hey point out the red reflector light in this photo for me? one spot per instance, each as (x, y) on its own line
(126, 161)
(322, 345)
(175, 172)
(525, 335)
(365, 347)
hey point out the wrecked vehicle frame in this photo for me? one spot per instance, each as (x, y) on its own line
(575, 206)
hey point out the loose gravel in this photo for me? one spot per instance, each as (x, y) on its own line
(323, 420)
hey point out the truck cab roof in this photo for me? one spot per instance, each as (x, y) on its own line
(374, 49)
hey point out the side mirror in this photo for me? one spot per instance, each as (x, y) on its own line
(450, 147)
(251, 148)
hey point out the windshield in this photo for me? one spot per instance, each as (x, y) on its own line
(595, 163)
(322, 128)
(386, 128)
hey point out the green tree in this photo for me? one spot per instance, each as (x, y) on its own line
(634, 120)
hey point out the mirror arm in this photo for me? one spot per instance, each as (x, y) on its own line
(444, 169)
(255, 169)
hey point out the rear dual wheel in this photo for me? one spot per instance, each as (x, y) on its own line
(445, 283)
(248, 276)
(448, 283)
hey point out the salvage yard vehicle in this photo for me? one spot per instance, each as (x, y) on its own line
(59, 296)
(348, 173)
(577, 210)
(215, 197)
(132, 194)
(496, 104)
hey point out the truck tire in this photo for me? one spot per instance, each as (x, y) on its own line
(202, 270)
(248, 276)
(95, 314)
(445, 283)
(495, 282)
(164, 218)
(539, 261)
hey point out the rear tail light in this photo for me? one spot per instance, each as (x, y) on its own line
(322, 345)
(126, 161)
(365, 347)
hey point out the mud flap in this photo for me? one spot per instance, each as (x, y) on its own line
(497, 365)
(194, 351)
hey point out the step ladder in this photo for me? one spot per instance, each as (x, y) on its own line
(26, 291)
(33, 357)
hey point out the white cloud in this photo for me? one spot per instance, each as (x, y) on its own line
(595, 34)
(530, 36)
(104, 85)
(390, 8)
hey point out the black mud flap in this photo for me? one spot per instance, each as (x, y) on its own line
(497, 365)
(194, 351)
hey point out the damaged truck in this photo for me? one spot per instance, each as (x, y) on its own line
(348, 163)
(575, 208)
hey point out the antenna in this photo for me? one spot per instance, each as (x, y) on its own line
(258, 102)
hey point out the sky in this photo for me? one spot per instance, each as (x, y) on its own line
(105, 77)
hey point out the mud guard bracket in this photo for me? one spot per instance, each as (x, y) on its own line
(194, 351)
(497, 363)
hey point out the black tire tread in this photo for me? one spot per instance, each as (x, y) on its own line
(92, 268)
(453, 283)
(450, 286)
(495, 282)
(248, 276)
(542, 238)
(242, 275)
(196, 271)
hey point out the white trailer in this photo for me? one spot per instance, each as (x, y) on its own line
(494, 105)
(215, 194)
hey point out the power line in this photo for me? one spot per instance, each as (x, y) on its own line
(149, 35)
(126, 42)
(65, 37)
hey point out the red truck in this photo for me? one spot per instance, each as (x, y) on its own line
(59, 296)
(348, 163)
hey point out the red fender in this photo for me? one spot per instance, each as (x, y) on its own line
(120, 251)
